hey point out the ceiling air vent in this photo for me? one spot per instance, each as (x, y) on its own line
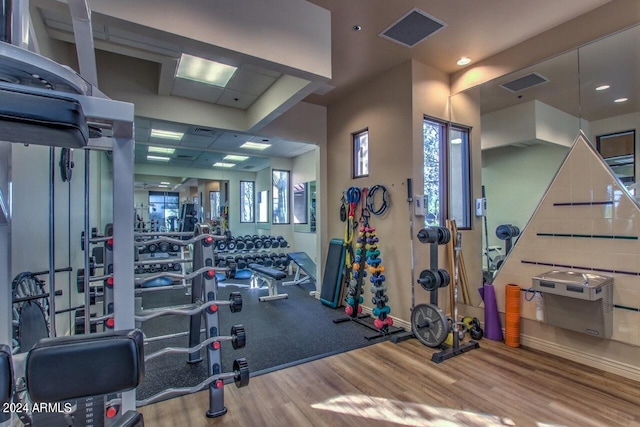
(526, 82)
(412, 28)
(248, 167)
(204, 131)
(184, 157)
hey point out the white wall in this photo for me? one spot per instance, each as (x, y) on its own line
(304, 169)
(527, 122)
(515, 179)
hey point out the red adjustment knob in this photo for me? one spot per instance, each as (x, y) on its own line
(110, 323)
(109, 282)
(208, 240)
(219, 383)
(215, 345)
(210, 274)
(213, 308)
(110, 243)
(111, 412)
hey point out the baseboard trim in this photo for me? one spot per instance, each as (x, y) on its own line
(607, 365)
(399, 323)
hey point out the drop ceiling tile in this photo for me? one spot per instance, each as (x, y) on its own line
(235, 99)
(142, 123)
(196, 141)
(142, 135)
(261, 70)
(196, 90)
(250, 83)
(179, 162)
(138, 40)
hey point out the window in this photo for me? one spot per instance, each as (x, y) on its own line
(361, 154)
(214, 205)
(300, 203)
(163, 210)
(263, 206)
(618, 150)
(247, 198)
(280, 188)
(460, 177)
(446, 173)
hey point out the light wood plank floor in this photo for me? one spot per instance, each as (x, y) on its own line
(397, 384)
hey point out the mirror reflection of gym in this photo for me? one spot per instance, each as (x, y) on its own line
(529, 120)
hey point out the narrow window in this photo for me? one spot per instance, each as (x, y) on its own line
(447, 173)
(361, 154)
(247, 204)
(280, 188)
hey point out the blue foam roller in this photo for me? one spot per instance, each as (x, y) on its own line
(159, 282)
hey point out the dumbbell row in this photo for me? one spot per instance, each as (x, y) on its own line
(266, 259)
(249, 243)
(155, 268)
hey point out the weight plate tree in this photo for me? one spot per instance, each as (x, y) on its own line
(429, 325)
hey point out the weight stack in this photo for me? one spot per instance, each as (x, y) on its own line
(512, 316)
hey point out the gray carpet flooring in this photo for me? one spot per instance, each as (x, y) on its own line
(280, 333)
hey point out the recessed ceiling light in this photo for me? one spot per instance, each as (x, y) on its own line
(161, 150)
(165, 183)
(204, 71)
(464, 61)
(621, 100)
(223, 165)
(356, 27)
(603, 87)
(166, 134)
(163, 186)
(255, 145)
(235, 157)
(158, 158)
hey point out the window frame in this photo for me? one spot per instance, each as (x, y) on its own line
(445, 171)
(287, 201)
(242, 203)
(354, 158)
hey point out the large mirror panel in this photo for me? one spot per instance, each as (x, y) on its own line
(530, 118)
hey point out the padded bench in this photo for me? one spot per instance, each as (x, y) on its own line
(66, 368)
(305, 264)
(271, 276)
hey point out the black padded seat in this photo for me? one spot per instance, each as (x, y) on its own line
(6, 379)
(78, 366)
(271, 272)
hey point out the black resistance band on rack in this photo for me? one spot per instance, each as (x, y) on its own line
(371, 200)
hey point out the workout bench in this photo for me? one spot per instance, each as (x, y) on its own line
(271, 276)
(69, 368)
(304, 264)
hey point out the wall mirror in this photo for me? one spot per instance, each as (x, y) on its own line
(304, 207)
(530, 118)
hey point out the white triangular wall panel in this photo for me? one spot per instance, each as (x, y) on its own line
(586, 222)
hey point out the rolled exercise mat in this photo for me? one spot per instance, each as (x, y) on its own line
(512, 316)
(492, 325)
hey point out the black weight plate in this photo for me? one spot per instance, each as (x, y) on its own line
(241, 370)
(429, 280)
(239, 337)
(429, 325)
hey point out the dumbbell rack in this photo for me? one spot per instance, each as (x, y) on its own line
(367, 253)
(242, 251)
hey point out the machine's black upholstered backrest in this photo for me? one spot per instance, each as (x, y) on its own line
(6, 380)
(85, 365)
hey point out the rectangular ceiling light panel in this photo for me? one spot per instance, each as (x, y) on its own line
(223, 165)
(235, 157)
(255, 145)
(161, 150)
(412, 28)
(204, 71)
(158, 158)
(166, 134)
